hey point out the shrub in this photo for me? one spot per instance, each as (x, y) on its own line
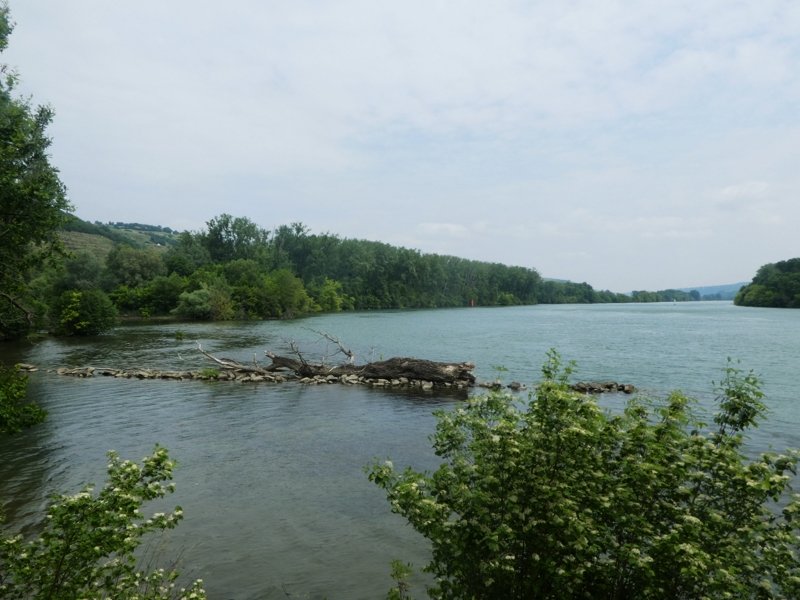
(15, 415)
(556, 498)
(85, 312)
(88, 543)
(209, 373)
(205, 304)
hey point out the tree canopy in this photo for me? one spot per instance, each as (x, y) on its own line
(32, 196)
(775, 285)
(235, 269)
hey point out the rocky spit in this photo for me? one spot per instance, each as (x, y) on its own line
(245, 377)
(585, 387)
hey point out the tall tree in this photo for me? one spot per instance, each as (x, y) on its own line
(229, 238)
(32, 197)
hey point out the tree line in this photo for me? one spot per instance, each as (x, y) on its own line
(775, 285)
(235, 269)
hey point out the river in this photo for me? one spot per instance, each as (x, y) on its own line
(271, 477)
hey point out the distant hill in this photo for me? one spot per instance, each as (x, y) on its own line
(98, 238)
(717, 292)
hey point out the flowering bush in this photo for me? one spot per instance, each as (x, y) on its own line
(556, 498)
(87, 547)
(15, 413)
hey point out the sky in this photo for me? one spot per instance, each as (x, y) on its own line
(630, 145)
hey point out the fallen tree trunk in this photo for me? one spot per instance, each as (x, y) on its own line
(393, 368)
(415, 368)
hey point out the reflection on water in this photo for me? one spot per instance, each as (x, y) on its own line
(271, 476)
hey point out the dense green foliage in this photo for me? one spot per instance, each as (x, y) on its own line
(15, 413)
(141, 227)
(86, 312)
(88, 544)
(664, 296)
(775, 285)
(557, 499)
(32, 198)
(235, 269)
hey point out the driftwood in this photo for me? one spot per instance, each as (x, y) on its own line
(232, 365)
(393, 368)
(399, 369)
(393, 373)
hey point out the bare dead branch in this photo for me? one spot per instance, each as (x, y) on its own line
(15, 303)
(232, 365)
(351, 357)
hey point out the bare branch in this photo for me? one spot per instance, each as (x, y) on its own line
(232, 365)
(15, 303)
(351, 357)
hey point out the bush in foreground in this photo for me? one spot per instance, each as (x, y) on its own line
(88, 544)
(556, 498)
(15, 413)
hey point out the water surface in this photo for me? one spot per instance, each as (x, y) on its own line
(271, 476)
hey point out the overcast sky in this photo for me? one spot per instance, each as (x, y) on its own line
(629, 144)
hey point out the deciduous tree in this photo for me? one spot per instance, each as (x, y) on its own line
(32, 197)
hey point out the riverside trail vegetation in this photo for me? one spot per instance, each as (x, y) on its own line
(558, 499)
(88, 543)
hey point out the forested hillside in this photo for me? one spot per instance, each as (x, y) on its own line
(235, 269)
(775, 285)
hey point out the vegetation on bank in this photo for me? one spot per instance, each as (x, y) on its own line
(89, 542)
(32, 199)
(235, 269)
(15, 413)
(775, 285)
(558, 499)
